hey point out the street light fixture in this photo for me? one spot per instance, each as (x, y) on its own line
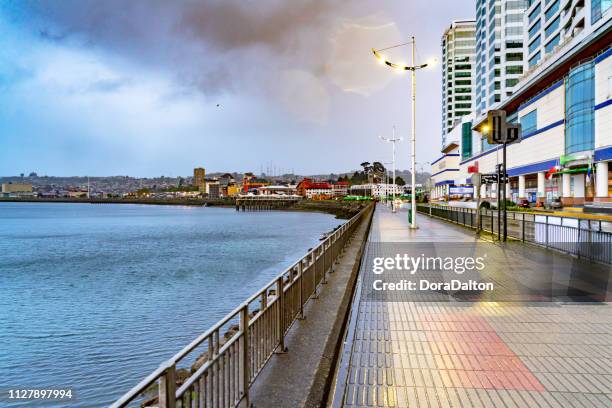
(393, 140)
(412, 68)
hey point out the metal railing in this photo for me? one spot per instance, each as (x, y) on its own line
(237, 348)
(585, 238)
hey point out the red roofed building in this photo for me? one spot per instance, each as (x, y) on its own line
(340, 188)
(315, 190)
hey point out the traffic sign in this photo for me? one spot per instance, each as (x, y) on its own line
(496, 122)
(490, 178)
(500, 131)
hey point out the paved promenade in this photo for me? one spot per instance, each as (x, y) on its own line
(438, 350)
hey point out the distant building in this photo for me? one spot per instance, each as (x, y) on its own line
(232, 190)
(458, 68)
(314, 190)
(199, 178)
(213, 190)
(17, 190)
(250, 183)
(340, 188)
(375, 190)
(361, 190)
(277, 190)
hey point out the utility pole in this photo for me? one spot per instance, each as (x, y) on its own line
(413, 225)
(393, 140)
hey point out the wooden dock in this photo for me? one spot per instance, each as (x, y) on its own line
(265, 202)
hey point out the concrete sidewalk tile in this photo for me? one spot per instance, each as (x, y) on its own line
(474, 398)
(423, 400)
(431, 353)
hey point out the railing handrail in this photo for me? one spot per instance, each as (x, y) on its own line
(158, 373)
(581, 240)
(512, 212)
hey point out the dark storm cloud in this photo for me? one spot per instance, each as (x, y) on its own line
(212, 45)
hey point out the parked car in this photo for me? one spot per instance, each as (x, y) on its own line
(556, 203)
(523, 203)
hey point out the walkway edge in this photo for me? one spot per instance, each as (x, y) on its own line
(302, 376)
(324, 379)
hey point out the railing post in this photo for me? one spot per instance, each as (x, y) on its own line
(578, 241)
(301, 289)
(546, 225)
(523, 229)
(324, 255)
(167, 388)
(244, 362)
(281, 313)
(313, 265)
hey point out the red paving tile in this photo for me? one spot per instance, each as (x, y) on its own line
(477, 357)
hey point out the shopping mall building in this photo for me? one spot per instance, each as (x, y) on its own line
(564, 105)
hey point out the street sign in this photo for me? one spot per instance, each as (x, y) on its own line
(496, 122)
(490, 178)
(513, 133)
(500, 131)
(461, 190)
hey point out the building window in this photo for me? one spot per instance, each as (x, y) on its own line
(466, 140)
(511, 82)
(579, 103)
(599, 8)
(535, 59)
(534, 29)
(552, 43)
(552, 10)
(515, 56)
(514, 69)
(535, 13)
(552, 27)
(514, 44)
(529, 122)
(514, 31)
(535, 44)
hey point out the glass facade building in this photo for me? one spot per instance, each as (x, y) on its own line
(500, 56)
(555, 22)
(458, 60)
(579, 113)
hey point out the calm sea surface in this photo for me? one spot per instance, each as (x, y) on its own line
(95, 297)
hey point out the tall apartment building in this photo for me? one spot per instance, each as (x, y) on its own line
(499, 50)
(551, 23)
(458, 59)
(199, 178)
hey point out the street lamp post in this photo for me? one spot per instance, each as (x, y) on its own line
(387, 182)
(393, 140)
(412, 68)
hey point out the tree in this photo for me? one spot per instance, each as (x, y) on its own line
(400, 181)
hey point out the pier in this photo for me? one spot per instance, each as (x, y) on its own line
(265, 202)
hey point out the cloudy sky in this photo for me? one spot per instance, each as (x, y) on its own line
(150, 87)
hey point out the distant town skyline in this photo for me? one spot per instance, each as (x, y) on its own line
(151, 88)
